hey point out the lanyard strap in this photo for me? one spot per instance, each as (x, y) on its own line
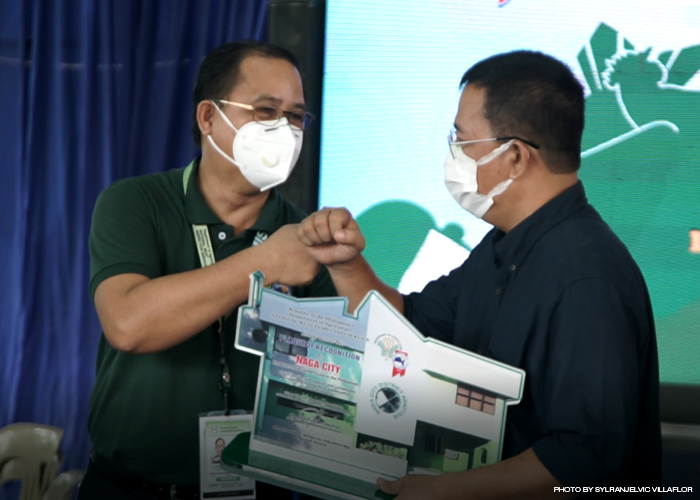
(206, 258)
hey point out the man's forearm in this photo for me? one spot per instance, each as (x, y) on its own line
(356, 278)
(156, 314)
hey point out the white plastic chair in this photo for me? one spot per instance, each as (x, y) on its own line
(63, 486)
(29, 454)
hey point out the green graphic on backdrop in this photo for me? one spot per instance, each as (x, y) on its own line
(641, 170)
(395, 231)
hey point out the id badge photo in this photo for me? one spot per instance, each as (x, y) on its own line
(215, 433)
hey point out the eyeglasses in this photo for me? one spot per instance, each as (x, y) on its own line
(452, 140)
(299, 120)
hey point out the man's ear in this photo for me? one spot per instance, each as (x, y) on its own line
(522, 158)
(205, 115)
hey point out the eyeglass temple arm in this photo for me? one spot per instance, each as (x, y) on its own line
(244, 106)
(520, 139)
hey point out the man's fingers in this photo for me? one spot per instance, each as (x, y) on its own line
(301, 234)
(307, 232)
(346, 230)
(391, 487)
(322, 227)
(343, 227)
(339, 219)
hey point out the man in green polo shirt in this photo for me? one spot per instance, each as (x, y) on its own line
(171, 255)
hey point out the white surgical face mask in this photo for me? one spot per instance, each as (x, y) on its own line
(265, 152)
(460, 179)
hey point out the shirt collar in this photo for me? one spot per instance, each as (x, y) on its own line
(511, 248)
(199, 212)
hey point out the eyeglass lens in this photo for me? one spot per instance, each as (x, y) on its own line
(297, 119)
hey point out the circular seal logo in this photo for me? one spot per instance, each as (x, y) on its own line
(388, 398)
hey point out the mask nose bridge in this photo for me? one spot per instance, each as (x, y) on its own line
(281, 122)
(459, 154)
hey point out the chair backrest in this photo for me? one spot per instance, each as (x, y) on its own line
(29, 454)
(63, 486)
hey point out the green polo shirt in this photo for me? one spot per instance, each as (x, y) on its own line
(144, 407)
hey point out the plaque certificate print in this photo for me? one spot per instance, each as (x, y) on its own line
(343, 399)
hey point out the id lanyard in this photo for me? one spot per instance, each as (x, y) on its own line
(206, 258)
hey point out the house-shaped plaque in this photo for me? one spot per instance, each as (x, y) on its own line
(343, 399)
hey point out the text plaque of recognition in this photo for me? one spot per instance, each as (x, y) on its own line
(344, 399)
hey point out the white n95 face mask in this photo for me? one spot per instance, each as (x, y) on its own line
(460, 179)
(265, 152)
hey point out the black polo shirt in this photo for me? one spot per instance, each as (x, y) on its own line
(561, 297)
(144, 408)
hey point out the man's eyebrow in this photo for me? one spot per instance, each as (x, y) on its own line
(265, 97)
(277, 101)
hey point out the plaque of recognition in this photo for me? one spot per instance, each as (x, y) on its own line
(344, 399)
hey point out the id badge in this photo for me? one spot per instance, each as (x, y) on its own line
(216, 431)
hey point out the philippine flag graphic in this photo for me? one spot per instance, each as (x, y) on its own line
(502, 3)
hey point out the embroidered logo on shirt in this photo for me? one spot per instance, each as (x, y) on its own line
(259, 238)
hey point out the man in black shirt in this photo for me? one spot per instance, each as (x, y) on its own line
(550, 289)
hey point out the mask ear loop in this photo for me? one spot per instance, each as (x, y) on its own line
(503, 185)
(224, 117)
(496, 152)
(214, 145)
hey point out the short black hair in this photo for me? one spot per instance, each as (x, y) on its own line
(219, 73)
(534, 96)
